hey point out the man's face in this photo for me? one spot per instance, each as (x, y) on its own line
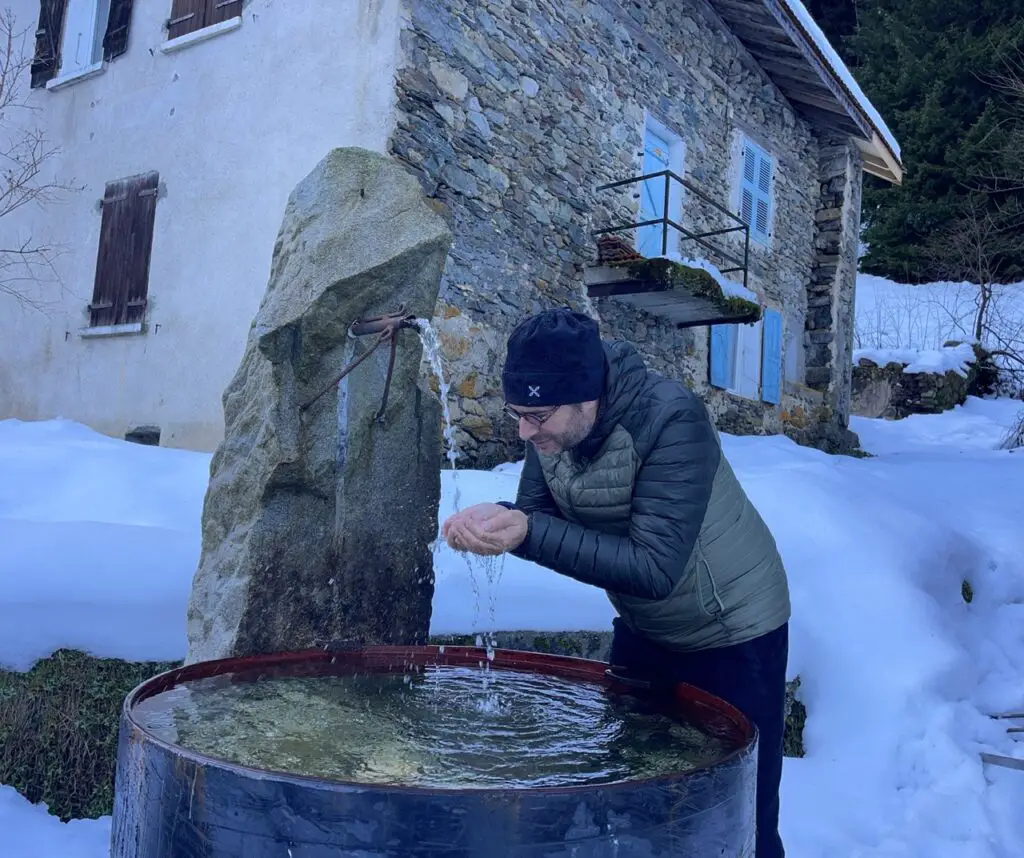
(554, 429)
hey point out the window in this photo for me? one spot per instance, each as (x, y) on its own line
(187, 16)
(75, 37)
(756, 191)
(126, 241)
(747, 359)
(663, 150)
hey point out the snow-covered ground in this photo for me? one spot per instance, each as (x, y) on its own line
(897, 316)
(99, 539)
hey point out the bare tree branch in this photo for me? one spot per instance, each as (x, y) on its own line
(1008, 176)
(27, 161)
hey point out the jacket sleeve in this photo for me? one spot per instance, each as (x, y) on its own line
(534, 494)
(670, 498)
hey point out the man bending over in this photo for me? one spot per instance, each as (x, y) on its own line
(626, 487)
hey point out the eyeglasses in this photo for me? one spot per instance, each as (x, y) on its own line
(536, 418)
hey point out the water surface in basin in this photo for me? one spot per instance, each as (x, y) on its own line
(440, 726)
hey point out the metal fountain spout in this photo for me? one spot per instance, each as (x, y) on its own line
(386, 327)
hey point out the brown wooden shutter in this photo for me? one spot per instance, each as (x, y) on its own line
(115, 40)
(187, 16)
(222, 10)
(48, 33)
(126, 243)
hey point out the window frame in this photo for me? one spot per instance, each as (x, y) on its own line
(111, 29)
(120, 294)
(207, 14)
(730, 343)
(749, 151)
(676, 157)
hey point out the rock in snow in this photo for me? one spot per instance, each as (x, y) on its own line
(315, 520)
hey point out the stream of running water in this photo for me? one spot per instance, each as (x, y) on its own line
(492, 567)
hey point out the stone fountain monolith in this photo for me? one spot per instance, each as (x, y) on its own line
(317, 521)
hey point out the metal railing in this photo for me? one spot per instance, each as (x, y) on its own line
(666, 221)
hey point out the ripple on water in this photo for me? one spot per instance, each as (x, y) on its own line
(440, 727)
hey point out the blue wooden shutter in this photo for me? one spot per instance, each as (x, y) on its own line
(756, 191)
(771, 356)
(723, 355)
(652, 194)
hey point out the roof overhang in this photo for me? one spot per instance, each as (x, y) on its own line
(797, 58)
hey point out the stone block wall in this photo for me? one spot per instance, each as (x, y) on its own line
(889, 392)
(831, 291)
(512, 112)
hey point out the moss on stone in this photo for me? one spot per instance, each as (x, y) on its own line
(58, 729)
(796, 718)
(453, 640)
(694, 281)
(593, 645)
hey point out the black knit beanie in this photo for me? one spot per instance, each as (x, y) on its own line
(554, 358)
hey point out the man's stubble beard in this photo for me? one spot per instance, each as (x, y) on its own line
(578, 430)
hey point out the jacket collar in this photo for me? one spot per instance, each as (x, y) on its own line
(625, 375)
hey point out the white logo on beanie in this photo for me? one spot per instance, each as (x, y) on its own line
(534, 391)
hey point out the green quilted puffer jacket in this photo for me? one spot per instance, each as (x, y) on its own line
(649, 509)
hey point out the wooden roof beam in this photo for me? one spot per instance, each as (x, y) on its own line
(806, 78)
(827, 74)
(837, 122)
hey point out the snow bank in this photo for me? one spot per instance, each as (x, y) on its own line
(28, 831)
(897, 316)
(899, 674)
(99, 541)
(905, 316)
(956, 359)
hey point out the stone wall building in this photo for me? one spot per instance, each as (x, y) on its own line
(513, 113)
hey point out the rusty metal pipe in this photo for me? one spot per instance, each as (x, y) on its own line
(377, 324)
(386, 327)
(379, 418)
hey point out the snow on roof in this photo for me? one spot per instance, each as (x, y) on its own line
(799, 11)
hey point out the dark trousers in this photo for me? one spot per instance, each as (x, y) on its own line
(752, 677)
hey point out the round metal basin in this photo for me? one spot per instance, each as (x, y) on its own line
(171, 802)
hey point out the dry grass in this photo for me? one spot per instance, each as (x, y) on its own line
(1014, 438)
(58, 730)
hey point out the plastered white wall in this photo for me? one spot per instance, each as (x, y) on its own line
(231, 123)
